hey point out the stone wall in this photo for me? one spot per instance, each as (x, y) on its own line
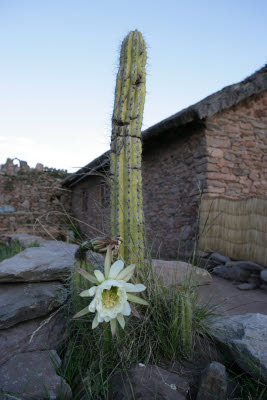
(90, 205)
(30, 193)
(237, 150)
(173, 174)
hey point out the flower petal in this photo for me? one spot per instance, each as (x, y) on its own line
(121, 320)
(115, 269)
(95, 322)
(127, 273)
(138, 287)
(126, 309)
(86, 275)
(99, 276)
(85, 293)
(92, 290)
(136, 299)
(108, 260)
(92, 305)
(113, 326)
(84, 311)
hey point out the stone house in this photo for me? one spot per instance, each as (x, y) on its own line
(212, 151)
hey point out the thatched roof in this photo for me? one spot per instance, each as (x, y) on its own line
(206, 108)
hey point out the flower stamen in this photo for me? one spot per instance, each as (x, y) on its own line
(110, 297)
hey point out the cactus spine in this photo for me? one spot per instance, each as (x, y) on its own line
(126, 149)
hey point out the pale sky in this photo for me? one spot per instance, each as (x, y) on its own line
(59, 61)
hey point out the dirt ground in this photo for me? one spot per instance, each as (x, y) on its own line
(231, 300)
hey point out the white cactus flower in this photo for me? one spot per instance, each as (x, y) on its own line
(112, 293)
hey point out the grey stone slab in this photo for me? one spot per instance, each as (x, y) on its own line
(32, 376)
(25, 239)
(32, 335)
(219, 258)
(247, 286)
(24, 301)
(246, 265)
(234, 273)
(38, 264)
(179, 272)
(245, 338)
(148, 382)
(264, 275)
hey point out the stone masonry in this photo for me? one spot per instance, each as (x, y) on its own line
(30, 193)
(236, 142)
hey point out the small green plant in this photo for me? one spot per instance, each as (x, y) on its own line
(9, 250)
(245, 387)
(34, 244)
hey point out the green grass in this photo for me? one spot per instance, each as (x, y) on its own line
(249, 388)
(10, 250)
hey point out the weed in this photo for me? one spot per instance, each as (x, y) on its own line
(9, 250)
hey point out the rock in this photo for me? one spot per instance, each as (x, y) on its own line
(263, 286)
(35, 264)
(26, 204)
(247, 286)
(18, 338)
(245, 338)
(21, 302)
(234, 273)
(148, 382)
(264, 275)
(24, 239)
(39, 167)
(33, 376)
(96, 259)
(207, 264)
(202, 254)
(246, 265)
(213, 382)
(60, 246)
(178, 272)
(219, 258)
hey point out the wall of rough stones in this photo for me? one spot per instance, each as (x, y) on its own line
(30, 193)
(237, 150)
(90, 206)
(173, 174)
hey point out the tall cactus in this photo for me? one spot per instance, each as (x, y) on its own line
(126, 149)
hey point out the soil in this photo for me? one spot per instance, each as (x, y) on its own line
(231, 300)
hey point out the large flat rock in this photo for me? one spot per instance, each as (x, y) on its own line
(37, 334)
(24, 301)
(32, 376)
(47, 263)
(179, 272)
(24, 238)
(245, 337)
(148, 383)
